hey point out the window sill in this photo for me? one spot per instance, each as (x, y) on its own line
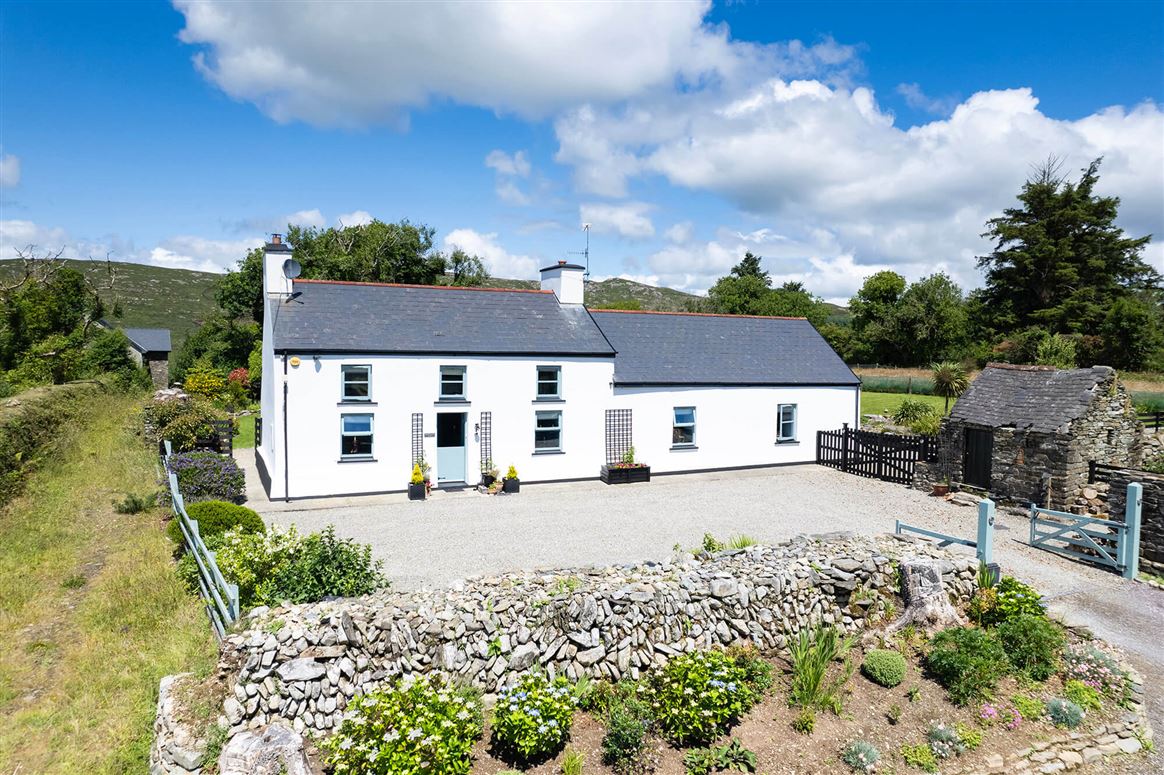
(357, 403)
(357, 459)
(549, 401)
(451, 402)
(683, 447)
(548, 452)
(788, 443)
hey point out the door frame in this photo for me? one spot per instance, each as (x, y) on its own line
(464, 448)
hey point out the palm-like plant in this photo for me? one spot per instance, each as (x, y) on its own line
(950, 381)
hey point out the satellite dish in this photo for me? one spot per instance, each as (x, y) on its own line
(291, 269)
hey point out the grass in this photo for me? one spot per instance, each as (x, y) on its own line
(244, 432)
(886, 403)
(92, 614)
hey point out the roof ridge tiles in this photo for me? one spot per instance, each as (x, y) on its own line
(697, 314)
(428, 287)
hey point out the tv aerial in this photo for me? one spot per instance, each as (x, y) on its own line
(585, 253)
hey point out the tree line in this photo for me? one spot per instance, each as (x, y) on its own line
(1063, 286)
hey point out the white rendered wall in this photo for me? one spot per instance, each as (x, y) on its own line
(402, 385)
(270, 401)
(734, 426)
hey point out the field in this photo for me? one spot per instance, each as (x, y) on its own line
(92, 614)
(886, 404)
(150, 296)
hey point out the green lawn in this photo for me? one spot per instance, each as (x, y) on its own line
(886, 403)
(244, 432)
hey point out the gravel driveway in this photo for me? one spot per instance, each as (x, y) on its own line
(454, 535)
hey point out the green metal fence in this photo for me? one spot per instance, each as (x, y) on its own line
(221, 597)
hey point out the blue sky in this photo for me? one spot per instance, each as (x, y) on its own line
(834, 139)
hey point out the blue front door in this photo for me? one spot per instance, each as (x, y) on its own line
(451, 447)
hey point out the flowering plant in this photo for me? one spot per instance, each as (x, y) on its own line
(422, 727)
(532, 719)
(697, 696)
(1093, 667)
(208, 476)
(861, 756)
(945, 741)
(239, 375)
(1006, 715)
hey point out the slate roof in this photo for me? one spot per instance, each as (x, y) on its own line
(693, 349)
(345, 317)
(1029, 397)
(149, 340)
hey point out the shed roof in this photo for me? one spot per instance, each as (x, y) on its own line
(377, 318)
(149, 340)
(1035, 398)
(658, 348)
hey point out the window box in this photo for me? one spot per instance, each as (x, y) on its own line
(416, 492)
(618, 473)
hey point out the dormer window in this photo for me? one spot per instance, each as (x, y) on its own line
(356, 384)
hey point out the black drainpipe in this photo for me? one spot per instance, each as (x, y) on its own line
(286, 445)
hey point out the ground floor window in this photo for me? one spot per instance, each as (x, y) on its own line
(683, 427)
(786, 423)
(548, 432)
(356, 435)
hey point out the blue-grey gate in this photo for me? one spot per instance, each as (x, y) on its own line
(1106, 542)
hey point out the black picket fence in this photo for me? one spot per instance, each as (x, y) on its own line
(886, 456)
(1152, 420)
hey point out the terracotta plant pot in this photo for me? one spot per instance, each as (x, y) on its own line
(940, 489)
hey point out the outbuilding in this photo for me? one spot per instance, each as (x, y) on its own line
(1028, 433)
(362, 380)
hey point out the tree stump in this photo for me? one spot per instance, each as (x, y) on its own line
(926, 603)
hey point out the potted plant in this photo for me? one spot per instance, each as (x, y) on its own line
(425, 468)
(489, 474)
(627, 470)
(941, 488)
(511, 483)
(417, 487)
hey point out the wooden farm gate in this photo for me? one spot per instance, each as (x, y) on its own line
(886, 456)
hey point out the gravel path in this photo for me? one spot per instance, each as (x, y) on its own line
(454, 535)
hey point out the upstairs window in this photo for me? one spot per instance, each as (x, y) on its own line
(355, 435)
(452, 383)
(549, 382)
(683, 428)
(357, 383)
(786, 423)
(548, 432)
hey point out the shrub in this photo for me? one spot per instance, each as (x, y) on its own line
(182, 422)
(1032, 645)
(511, 473)
(944, 741)
(217, 517)
(696, 696)
(711, 544)
(860, 756)
(757, 671)
(532, 719)
(208, 476)
(967, 661)
(572, 762)
(422, 727)
(811, 655)
(805, 721)
(417, 474)
(982, 605)
(970, 738)
(1012, 599)
(926, 425)
(626, 734)
(894, 714)
(721, 758)
(1095, 668)
(135, 504)
(884, 667)
(1028, 707)
(1064, 713)
(920, 756)
(204, 380)
(1086, 697)
(910, 410)
(990, 714)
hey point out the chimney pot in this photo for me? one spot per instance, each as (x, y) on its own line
(276, 239)
(561, 263)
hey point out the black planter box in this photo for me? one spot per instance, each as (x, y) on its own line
(613, 475)
(488, 479)
(416, 491)
(511, 485)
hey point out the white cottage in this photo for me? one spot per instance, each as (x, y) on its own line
(362, 379)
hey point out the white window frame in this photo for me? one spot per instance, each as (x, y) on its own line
(676, 424)
(344, 371)
(344, 436)
(464, 394)
(556, 414)
(557, 382)
(781, 438)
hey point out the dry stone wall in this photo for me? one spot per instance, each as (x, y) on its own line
(302, 664)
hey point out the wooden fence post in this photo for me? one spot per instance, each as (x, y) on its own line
(845, 447)
(1131, 541)
(985, 531)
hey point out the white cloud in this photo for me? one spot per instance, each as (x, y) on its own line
(510, 193)
(199, 253)
(9, 170)
(357, 218)
(919, 100)
(19, 235)
(680, 232)
(306, 218)
(498, 261)
(627, 220)
(506, 164)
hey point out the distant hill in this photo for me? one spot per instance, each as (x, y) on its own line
(150, 296)
(620, 293)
